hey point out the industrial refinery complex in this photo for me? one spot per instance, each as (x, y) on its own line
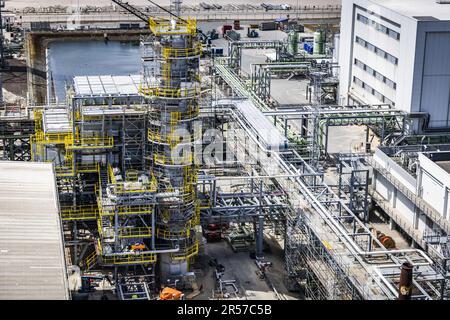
(183, 150)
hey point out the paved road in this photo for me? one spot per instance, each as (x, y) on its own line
(329, 14)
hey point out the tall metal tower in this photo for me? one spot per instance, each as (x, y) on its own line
(171, 85)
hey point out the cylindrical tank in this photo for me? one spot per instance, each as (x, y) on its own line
(293, 42)
(319, 42)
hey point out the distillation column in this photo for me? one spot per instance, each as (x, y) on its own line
(171, 84)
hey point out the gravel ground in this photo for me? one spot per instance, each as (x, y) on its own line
(18, 4)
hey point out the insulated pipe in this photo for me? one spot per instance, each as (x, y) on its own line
(405, 285)
(142, 252)
(340, 232)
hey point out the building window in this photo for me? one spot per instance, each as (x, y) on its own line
(391, 58)
(391, 84)
(379, 76)
(393, 34)
(381, 53)
(379, 96)
(376, 74)
(372, 91)
(370, 46)
(378, 26)
(378, 16)
(376, 50)
(362, 18)
(358, 82)
(368, 88)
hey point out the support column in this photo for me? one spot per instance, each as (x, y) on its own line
(416, 218)
(391, 224)
(394, 197)
(260, 238)
(444, 207)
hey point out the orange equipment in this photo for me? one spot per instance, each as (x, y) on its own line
(138, 247)
(171, 294)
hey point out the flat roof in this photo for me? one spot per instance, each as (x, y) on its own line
(444, 165)
(32, 263)
(417, 9)
(107, 85)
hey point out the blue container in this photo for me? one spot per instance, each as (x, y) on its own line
(308, 47)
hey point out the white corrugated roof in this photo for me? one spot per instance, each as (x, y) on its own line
(107, 85)
(32, 264)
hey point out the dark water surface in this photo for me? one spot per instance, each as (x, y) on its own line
(78, 58)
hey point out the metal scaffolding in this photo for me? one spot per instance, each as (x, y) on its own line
(171, 87)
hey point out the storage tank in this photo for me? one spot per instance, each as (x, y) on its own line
(293, 42)
(319, 42)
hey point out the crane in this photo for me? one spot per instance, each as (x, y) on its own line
(133, 10)
(144, 16)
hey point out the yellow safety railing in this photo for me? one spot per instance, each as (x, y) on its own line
(68, 170)
(86, 212)
(126, 210)
(167, 92)
(189, 253)
(182, 53)
(89, 143)
(50, 138)
(135, 232)
(175, 117)
(165, 70)
(112, 177)
(126, 259)
(88, 168)
(197, 218)
(126, 188)
(100, 226)
(123, 187)
(91, 260)
(183, 160)
(204, 204)
(164, 27)
(37, 113)
(155, 136)
(131, 175)
(64, 171)
(169, 234)
(129, 259)
(171, 138)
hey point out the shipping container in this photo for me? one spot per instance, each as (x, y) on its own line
(265, 26)
(225, 28)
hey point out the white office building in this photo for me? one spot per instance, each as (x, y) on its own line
(397, 52)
